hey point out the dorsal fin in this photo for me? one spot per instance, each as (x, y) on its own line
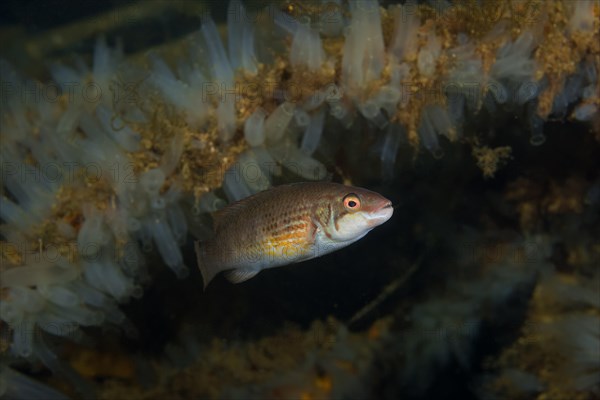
(235, 208)
(228, 211)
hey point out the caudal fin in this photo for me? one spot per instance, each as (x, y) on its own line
(208, 268)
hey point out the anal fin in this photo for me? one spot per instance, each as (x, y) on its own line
(240, 275)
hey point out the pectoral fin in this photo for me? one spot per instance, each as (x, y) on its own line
(240, 275)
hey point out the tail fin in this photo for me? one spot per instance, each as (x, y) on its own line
(207, 267)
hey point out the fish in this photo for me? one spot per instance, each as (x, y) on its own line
(287, 224)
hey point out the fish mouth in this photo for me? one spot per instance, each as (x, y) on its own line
(381, 214)
(384, 207)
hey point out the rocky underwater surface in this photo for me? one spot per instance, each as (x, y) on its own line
(124, 128)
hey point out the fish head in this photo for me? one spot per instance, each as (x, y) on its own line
(355, 212)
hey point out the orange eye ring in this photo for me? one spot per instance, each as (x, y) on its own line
(352, 202)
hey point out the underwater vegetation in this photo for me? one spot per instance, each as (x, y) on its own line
(479, 120)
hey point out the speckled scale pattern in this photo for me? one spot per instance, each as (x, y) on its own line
(276, 223)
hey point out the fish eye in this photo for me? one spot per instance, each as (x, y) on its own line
(351, 202)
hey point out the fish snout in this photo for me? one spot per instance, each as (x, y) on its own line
(382, 211)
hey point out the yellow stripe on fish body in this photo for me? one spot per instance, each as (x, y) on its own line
(291, 244)
(288, 224)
